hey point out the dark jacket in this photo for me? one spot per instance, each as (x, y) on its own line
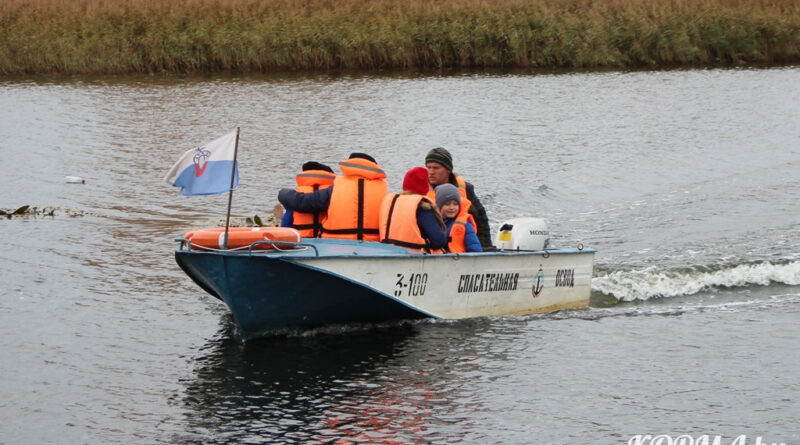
(306, 202)
(430, 229)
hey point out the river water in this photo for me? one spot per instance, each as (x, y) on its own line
(686, 182)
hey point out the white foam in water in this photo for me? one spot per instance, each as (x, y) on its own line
(650, 282)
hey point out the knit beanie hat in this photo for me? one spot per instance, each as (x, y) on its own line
(416, 181)
(441, 156)
(314, 165)
(362, 156)
(447, 192)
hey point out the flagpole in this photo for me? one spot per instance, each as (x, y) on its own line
(230, 192)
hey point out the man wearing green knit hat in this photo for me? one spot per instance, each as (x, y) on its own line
(439, 163)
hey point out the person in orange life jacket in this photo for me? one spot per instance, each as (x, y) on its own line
(461, 235)
(314, 176)
(352, 202)
(439, 163)
(410, 219)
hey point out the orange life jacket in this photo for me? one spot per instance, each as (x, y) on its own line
(310, 224)
(458, 231)
(398, 222)
(465, 202)
(356, 201)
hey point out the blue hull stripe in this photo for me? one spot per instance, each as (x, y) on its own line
(271, 295)
(376, 291)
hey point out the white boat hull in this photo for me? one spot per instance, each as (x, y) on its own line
(474, 285)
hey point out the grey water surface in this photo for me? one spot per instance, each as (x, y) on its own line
(687, 183)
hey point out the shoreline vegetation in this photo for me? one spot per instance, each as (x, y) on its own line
(266, 36)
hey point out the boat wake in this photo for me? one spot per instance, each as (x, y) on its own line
(651, 282)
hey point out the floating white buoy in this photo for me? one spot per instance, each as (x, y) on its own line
(75, 180)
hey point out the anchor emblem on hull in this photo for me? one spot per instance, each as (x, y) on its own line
(538, 283)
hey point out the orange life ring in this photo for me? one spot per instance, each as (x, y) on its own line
(238, 237)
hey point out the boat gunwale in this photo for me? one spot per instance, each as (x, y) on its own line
(288, 255)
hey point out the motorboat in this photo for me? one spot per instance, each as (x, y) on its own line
(277, 281)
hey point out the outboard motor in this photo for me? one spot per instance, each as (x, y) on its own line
(523, 234)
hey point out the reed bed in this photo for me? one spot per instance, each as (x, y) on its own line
(197, 36)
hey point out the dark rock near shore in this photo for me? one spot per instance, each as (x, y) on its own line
(28, 211)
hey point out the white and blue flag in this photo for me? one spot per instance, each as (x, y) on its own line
(206, 170)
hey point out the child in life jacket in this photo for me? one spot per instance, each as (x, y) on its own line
(460, 226)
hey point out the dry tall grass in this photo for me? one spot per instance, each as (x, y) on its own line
(147, 36)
